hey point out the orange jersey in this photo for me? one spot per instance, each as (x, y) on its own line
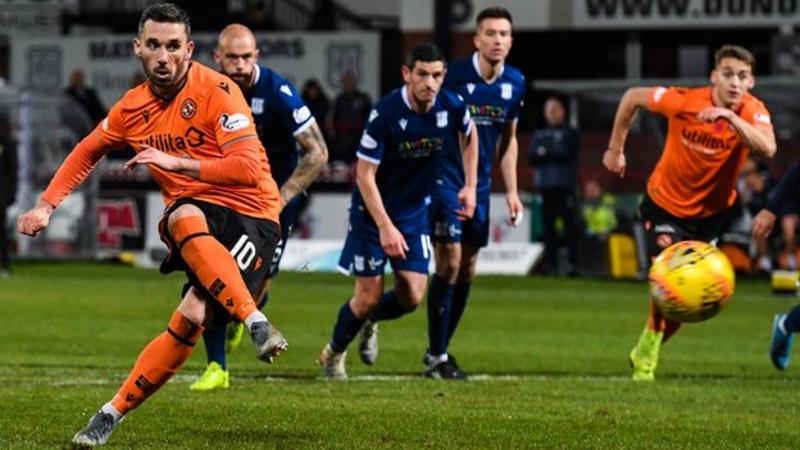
(208, 113)
(696, 175)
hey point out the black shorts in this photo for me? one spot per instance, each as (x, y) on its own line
(288, 217)
(658, 221)
(251, 240)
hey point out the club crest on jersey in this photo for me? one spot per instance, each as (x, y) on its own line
(300, 115)
(403, 123)
(233, 122)
(470, 88)
(441, 119)
(257, 105)
(763, 118)
(506, 91)
(188, 109)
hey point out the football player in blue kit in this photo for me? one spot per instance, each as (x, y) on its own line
(296, 151)
(784, 326)
(494, 92)
(407, 133)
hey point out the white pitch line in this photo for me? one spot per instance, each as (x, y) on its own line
(185, 378)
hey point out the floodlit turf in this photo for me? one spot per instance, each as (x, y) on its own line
(551, 355)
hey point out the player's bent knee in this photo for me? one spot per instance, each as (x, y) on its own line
(411, 303)
(193, 307)
(186, 220)
(183, 211)
(362, 305)
(187, 227)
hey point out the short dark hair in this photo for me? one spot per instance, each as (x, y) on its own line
(736, 52)
(426, 52)
(494, 12)
(165, 12)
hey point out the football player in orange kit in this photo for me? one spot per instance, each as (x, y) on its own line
(710, 133)
(193, 129)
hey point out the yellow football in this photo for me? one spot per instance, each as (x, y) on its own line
(691, 281)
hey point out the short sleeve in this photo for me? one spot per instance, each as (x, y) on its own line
(754, 112)
(372, 141)
(516, 108)
(228, 113)
(112, 128)
(463, 115)
(665, 100)
(291, 108)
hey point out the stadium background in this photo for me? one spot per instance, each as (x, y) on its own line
(547, 355)
(586, 51)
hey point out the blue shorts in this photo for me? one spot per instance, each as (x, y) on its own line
(363, 255)
(447, 228)
(288, 217)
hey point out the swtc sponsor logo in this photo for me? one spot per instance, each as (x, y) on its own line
(420, 148)
(487, 114)
(116, 218)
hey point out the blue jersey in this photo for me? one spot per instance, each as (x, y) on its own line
(407, 146)
(492, 106)
(280, 114)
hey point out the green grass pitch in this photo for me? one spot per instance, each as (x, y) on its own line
(551, 355)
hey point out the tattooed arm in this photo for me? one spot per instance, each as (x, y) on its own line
(313, 159)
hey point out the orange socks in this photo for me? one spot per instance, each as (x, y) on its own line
(162, 357)
(657, 322)
(213, 265)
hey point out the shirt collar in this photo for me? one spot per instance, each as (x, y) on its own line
(477, 67)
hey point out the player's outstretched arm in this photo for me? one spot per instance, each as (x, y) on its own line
(392, 240)
(70, 174)
(509, 152)
(314, 157)
(632, 100)
(35, 219)
(469, 154)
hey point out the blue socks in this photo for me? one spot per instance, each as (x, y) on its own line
(460, 294)
(792, 322)
(388, 308)
(440, 298)
(348, 325)
(346, 328)
(214, 339)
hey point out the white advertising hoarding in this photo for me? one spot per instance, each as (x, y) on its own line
(109, 63)
(508, 253)
(684, 13)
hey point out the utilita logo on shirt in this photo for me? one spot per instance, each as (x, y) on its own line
(169, 143)
(702, 142)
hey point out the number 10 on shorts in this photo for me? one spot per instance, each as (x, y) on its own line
(244, 252)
